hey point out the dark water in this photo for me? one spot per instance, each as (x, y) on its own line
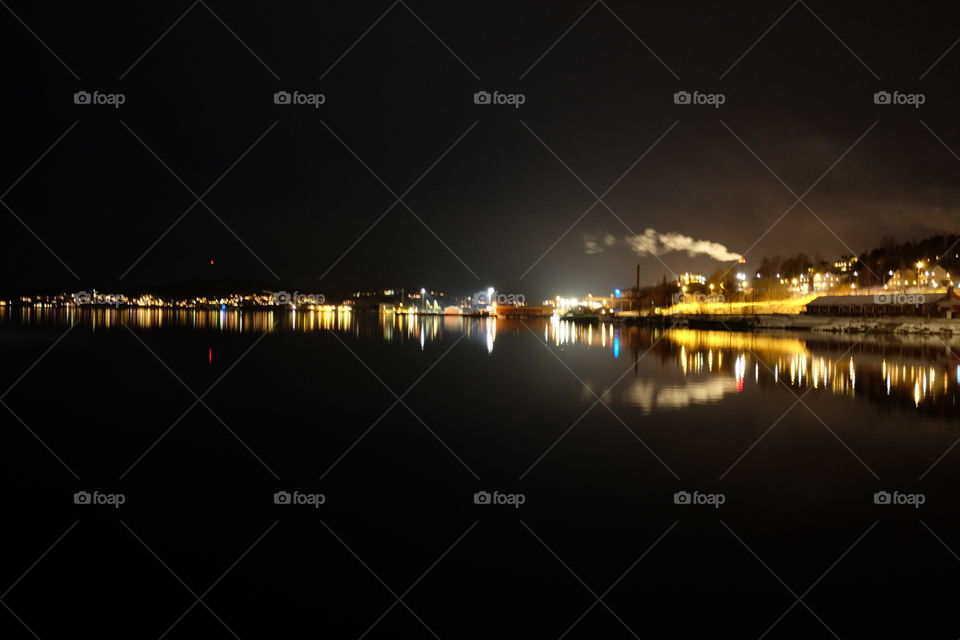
(598, 427)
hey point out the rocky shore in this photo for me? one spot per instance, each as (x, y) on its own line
(908, 325)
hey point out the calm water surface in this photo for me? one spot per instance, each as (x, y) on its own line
(673, 368)
(399, 421)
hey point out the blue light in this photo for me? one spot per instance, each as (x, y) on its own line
(616, 293)
(616, 346)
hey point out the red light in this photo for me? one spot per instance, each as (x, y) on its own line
(210, 356)
(211, 262)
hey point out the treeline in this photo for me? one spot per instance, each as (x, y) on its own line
(873, 267)
(890, 256)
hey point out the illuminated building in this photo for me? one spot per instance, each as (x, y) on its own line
(687, 279)
(921, 276)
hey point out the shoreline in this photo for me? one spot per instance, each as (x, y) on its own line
(801, 322)
(902, 325)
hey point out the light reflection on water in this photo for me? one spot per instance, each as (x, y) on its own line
(911, 372)
(696, 367)
(386, 327)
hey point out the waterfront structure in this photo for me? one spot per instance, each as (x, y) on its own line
(888, 304)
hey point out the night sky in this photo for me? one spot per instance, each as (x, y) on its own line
(486, 189)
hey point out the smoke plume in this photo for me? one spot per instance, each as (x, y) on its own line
(654, 243)
(594, 245)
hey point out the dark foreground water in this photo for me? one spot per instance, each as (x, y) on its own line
(653, 483)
